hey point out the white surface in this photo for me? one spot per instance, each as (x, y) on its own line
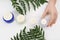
(9, 30)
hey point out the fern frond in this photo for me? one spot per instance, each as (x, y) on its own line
(22, 9)
(37, 33)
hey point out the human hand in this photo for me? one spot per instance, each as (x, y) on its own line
(50, 10)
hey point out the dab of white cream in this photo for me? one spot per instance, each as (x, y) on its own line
(33, 21)
(43, 21)
(7, 16)
(20, 18)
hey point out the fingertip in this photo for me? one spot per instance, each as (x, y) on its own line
(42, 16)
(49, 24)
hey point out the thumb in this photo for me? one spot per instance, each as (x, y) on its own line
(44, 13)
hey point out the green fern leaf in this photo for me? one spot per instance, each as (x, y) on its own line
(33, 4)
(19, 9)
(14, 38)
(23, 5)
(37, 3)
(11, 39)
(43, 1)
(17, 37)
(28, 5)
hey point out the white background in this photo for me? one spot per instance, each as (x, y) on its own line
(9, 30)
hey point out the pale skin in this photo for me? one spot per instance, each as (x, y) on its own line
(51, 10)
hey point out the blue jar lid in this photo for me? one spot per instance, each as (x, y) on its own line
(9, 18)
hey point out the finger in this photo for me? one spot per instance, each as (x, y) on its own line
(56, 14)
(50, 22)
(44, 13)
(55, 19)
(53, 22)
